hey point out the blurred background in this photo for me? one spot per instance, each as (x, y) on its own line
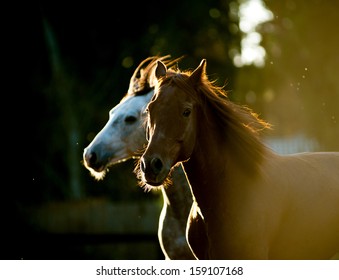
(278, 57)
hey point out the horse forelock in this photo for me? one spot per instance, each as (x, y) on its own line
(178, 79)
(143, 79)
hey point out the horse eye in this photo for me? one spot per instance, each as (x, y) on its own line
(130, 119)
(186, 113)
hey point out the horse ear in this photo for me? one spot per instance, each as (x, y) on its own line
(160, 71)
(199, 72)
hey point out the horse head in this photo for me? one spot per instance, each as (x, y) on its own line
(172, 122)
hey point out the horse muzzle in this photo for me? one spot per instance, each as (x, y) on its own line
(93, 161)
(154, 171)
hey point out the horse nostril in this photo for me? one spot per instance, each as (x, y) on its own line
(91, 159)
(156, 165)
(130, 119)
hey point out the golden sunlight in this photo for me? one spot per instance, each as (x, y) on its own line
(251, 14)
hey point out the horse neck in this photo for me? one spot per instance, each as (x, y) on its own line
(205, 168)
(214, 168)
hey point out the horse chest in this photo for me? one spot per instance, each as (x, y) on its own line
(237, 223)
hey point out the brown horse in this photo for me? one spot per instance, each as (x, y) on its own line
(256, 204)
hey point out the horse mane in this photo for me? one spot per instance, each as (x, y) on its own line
(236, 124)
(143, 79)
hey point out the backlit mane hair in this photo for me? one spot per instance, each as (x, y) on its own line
(143, 79)
(236, 124)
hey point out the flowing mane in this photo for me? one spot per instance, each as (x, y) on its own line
(238, 125)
